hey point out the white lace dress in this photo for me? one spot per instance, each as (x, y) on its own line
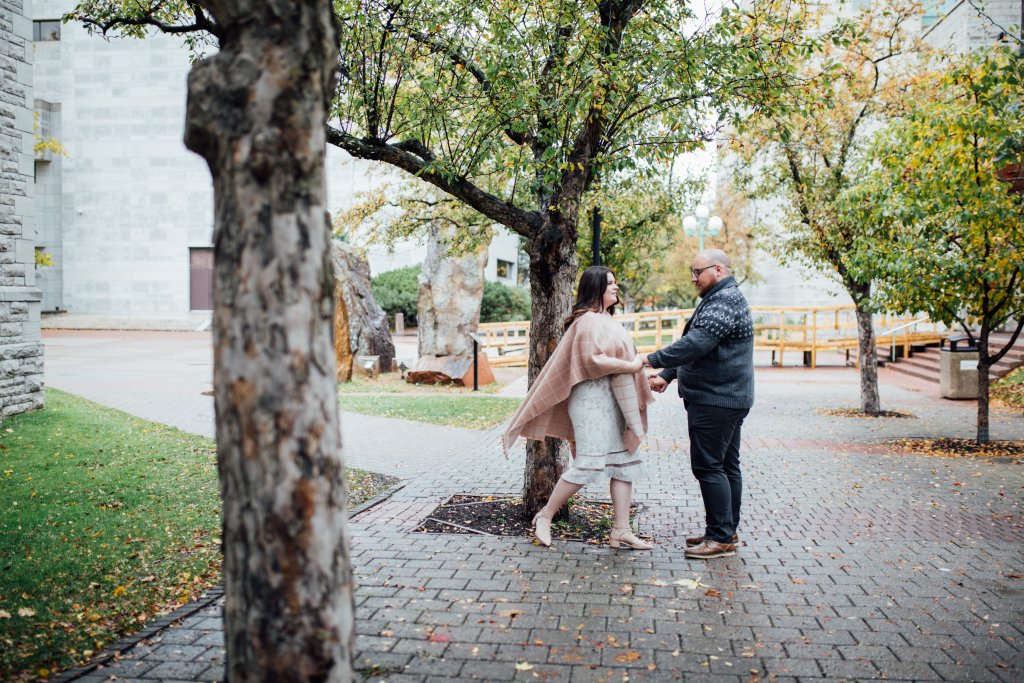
(598, 425)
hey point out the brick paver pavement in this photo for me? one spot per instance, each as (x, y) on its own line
(858, 564)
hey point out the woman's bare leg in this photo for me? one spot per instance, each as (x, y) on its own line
(564, 490)
(622, 495)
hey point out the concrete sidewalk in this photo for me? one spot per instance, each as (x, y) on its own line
(859, 564)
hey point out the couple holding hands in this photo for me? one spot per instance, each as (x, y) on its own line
(593, 392)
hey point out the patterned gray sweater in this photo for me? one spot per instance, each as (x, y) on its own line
(714, 359)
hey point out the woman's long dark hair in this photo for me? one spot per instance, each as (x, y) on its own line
(590, 294)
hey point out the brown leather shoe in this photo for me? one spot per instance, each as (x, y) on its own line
(709, 550)
(697, 540)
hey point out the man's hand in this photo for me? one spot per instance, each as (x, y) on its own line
(657, 383)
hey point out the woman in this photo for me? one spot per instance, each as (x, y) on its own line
(591, 392)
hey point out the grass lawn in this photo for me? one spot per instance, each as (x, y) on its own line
(106, 521)
(392, 383)
(473, 412)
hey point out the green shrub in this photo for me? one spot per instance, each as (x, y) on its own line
(502, 303)
(397, 291)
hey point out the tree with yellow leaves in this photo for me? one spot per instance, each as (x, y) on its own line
(948, 235)
(809, 157)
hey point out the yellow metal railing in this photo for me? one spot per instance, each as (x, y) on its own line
(779, 329)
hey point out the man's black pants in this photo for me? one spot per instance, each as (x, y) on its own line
(715, 461)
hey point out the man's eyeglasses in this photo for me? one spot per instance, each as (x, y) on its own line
(697, 271)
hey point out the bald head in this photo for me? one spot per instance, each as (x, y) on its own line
(714, 256)
(708, 268)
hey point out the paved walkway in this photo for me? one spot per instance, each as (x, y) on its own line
(858, 564)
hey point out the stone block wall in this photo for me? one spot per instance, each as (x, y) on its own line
(21, 348)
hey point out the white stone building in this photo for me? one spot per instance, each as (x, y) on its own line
(21, 351)
(127, 213)
(962, 25)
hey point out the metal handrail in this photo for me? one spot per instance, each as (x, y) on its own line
(893, 331)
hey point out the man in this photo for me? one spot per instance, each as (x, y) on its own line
(714, 363)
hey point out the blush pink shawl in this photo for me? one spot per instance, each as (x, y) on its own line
(593, 346)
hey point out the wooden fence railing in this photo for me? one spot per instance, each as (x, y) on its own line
(779, 329)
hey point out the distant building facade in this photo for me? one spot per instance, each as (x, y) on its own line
(21, 351)
(952, 25)
(963, 25)
(127, 213)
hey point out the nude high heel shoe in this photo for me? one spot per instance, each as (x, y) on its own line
(626, 536)
(542, 528)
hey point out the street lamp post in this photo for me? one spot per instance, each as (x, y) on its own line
(700, 224)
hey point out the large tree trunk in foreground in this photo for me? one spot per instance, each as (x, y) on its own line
(256, 113)
(553, 266)
(867, 351)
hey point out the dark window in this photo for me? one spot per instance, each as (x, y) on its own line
(47, 29)
(200, 279)
(504, 269)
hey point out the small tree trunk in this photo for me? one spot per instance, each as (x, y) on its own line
(984, 363)
(257, 113)
(867, 350)
(553, 267)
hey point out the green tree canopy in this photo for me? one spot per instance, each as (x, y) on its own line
(948, 235)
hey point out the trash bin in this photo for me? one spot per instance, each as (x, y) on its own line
(958, 368)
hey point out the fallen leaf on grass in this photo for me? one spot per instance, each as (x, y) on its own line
(26, 612)
(4, 614)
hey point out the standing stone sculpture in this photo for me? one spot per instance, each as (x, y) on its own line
(360, 324)
(451, 287)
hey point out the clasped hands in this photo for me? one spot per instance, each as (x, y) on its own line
(656, 382)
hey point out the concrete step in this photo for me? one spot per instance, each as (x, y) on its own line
(1013, 359)
(914, 371)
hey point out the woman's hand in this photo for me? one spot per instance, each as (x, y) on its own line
(637, 364)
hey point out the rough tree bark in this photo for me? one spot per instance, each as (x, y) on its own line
(553, 267)
(984, 365)
(256, 113)
(867, 349)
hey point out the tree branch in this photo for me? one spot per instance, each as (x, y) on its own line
(1009, 345)
(459, 59)
(414, 158)
(200, 22)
